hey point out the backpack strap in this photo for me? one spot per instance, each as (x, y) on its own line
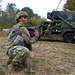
(13, 31)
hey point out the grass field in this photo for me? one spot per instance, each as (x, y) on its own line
(48, 57)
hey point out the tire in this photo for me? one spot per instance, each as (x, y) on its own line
(69, 37)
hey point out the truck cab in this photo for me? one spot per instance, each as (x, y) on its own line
(61, 26)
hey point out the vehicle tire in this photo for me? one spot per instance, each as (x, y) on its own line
(69, 37)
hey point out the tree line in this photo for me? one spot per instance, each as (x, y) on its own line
(7, 17)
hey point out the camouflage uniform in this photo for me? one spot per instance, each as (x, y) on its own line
(18, 50)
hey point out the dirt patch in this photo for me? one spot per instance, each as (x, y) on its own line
(48, 57)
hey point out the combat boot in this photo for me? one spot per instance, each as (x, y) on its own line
(29, 71)
(11, 68)
(9, 61)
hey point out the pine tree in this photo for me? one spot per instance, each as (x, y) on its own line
(70, 5)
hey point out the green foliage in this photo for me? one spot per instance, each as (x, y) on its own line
(35, 21)
(11, 7)
(70, 5)
(29, 11)
(5, 25)
(7, 19)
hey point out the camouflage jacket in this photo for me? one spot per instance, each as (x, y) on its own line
(24, 33)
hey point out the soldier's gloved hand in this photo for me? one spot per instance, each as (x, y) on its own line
(47, 30)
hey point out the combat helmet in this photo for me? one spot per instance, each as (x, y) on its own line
(21, 13)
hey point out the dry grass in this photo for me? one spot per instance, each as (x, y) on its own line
(49, 58)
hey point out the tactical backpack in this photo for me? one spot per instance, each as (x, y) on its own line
(13, 35)
(15, 38)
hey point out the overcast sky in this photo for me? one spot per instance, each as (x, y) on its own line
(41, 7)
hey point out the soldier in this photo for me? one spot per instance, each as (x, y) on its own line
(19, 41)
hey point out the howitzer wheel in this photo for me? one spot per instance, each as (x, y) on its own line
(69, 37)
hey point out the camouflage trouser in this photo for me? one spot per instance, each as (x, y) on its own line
(20, 55)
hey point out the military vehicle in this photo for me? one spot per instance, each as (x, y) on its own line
(61, 27)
